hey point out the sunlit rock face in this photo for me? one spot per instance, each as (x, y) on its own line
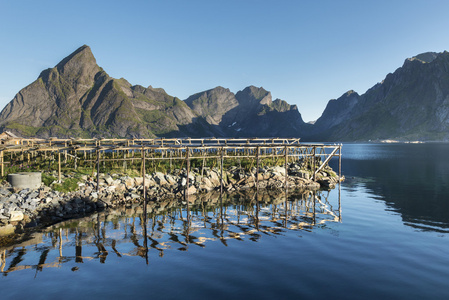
(77, 98)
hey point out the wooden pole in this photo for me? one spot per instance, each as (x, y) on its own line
(186, 190)
(221, 171)
(124, 161)
(143, 175)
(286, 171)
(204, 160)
(98, 169)
(339, 185)
(3, 167)
(59, 167)
(339, 164)
(313, 165)
(257, 169)
(170, 160)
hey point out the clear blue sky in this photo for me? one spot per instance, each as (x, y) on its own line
(304, 52)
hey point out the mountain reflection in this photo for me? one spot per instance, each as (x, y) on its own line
(169, 226)
(412, 179)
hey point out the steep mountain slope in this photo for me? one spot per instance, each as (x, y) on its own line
(77, 98)
(410, 104)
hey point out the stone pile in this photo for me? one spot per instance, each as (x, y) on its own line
(44, 205)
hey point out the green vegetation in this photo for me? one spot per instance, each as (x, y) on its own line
(25, 130)
(67, 185)
(48, 179)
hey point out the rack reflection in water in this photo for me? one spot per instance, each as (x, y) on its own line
(152, 230)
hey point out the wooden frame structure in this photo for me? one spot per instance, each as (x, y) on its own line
(174, 149)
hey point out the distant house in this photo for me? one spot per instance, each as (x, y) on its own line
(7, 137)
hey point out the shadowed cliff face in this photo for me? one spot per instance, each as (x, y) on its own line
(410, 104)
(250, 112)
(77, 98)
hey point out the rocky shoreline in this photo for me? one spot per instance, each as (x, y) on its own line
(20, 209)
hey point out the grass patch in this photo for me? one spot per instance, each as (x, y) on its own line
(67, 185)
(48, 179)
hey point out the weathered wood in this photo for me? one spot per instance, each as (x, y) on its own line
(98, 169)
(257, 169)
(143, 175)
(59, 167)
(286, 171)
(313, 167)
(186, 189)
(221, 171)
(212, 148)
(326, 161)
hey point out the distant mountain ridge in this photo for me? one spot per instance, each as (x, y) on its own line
(410, 104)
(77, 98)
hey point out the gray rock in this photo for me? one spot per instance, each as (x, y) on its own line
(16, 216)
(33, 194)
(159, 178)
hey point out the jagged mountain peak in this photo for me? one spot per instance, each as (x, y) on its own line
(212, 104)
(350, 93)
(253, 95)
(77, 98)
(81, 58)
(426, 57)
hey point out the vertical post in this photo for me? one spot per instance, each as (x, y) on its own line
(257, 169)
(186, 194)
(339, 185)
(1, 159)
(314, 204)
(286, 171)
(143, 182)
(98, 169)
(221, 171)
(145, 234)
(313, 165)
(186, 190)
(59, 167)
(60, 244)
(286, 209)
(204, 160)
(75, 158)
(339, 164)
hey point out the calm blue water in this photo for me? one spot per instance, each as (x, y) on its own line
(388, 239)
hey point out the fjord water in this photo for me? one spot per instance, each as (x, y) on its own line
(388, 239)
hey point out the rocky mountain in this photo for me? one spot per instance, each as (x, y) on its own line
(77, 98)
(410, 104)
(251, 112)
